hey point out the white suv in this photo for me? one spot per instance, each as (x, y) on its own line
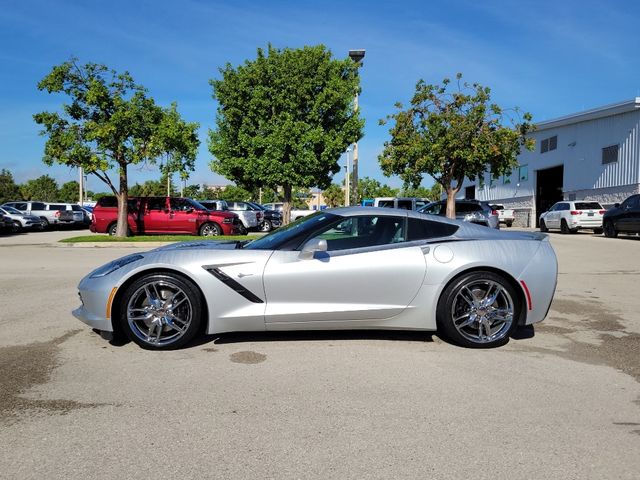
(570, 217)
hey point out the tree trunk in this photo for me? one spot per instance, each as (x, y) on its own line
(286, 207)
(451, 199)
(123, 200)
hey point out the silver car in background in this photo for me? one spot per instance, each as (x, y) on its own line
(343, 268)
(20, 220)
(472, 211)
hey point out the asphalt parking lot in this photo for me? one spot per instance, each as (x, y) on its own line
(559, 401)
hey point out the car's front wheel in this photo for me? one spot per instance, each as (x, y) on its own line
(478, 310)
(543, 226)
(210, 230)
(266, 226)
(609, 230)
(161, 311)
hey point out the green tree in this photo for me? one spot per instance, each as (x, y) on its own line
(69, 192)
(193, 191)
(9, 190)
(451, 134)
(371, 188)
(334, 195)
(234, 193)
(110, 123)
(284, 119)
(43, 188)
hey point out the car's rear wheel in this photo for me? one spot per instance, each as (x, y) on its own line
(543, 226)
(609, 230)
(564, 228)
(266, 226)
(210, 230)
(44, 222)
(478, 310)
(161, 311)
(113, 228)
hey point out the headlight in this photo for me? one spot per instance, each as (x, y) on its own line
(115, 265)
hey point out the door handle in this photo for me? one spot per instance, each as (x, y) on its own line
(241, 275)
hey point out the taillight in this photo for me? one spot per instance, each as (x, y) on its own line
(57, 214)
(494, 212)
(601, 212)
(575, 212)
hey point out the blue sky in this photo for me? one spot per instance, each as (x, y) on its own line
(549, 58)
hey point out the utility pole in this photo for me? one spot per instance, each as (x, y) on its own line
(356, 56)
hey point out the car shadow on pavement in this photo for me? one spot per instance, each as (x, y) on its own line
(523, 332)
(318, 335)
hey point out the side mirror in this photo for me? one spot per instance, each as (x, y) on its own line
(311, 247)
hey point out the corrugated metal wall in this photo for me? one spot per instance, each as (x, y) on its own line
(580, 151)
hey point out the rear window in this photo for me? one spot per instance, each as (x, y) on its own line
(467, 207)
(57, 207)
(108, 202)
(424, 229)
(588, 206)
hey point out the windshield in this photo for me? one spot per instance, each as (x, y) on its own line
(196, 205)
(300, 227)
(12, 210)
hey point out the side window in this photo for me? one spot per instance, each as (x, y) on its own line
(76, 208)
(54, 206)
(423, 229)
(564, 206)
(405, 204)
(156, 203)
(433, 209)
(36, 206)
(108, 202)
(364, 231)
(21, 206)
(180, 204)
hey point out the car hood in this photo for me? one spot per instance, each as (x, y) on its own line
(204, 244)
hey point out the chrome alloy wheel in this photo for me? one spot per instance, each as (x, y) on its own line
(482, 311)
(159, 313)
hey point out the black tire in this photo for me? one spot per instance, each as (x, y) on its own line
(453, 307)
(564, 228)
(17, 227)
(543, 226)
(597, 231)
(45, 223)
(157, 326)
(609, 230)
(509, 224)
(210, 229)
(266, 226)
(112, 229)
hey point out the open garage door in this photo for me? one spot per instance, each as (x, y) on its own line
(549, 184)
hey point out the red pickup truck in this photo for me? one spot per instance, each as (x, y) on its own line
(164, 215)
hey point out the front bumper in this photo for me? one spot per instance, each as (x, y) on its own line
(94, 321)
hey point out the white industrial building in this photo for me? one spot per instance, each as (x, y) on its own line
(591, 155)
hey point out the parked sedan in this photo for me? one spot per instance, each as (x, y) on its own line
(624, 217)
(569, 217)
(20, 221)
(270, 218)
(343, 268)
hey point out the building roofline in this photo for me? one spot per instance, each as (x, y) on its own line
(592, 114)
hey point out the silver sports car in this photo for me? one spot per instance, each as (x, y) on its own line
(344, 268)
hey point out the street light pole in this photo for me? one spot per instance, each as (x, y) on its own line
(347, 183)
(356, 56)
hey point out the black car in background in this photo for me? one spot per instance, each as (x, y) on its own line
(623, 217)
(270, 218)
